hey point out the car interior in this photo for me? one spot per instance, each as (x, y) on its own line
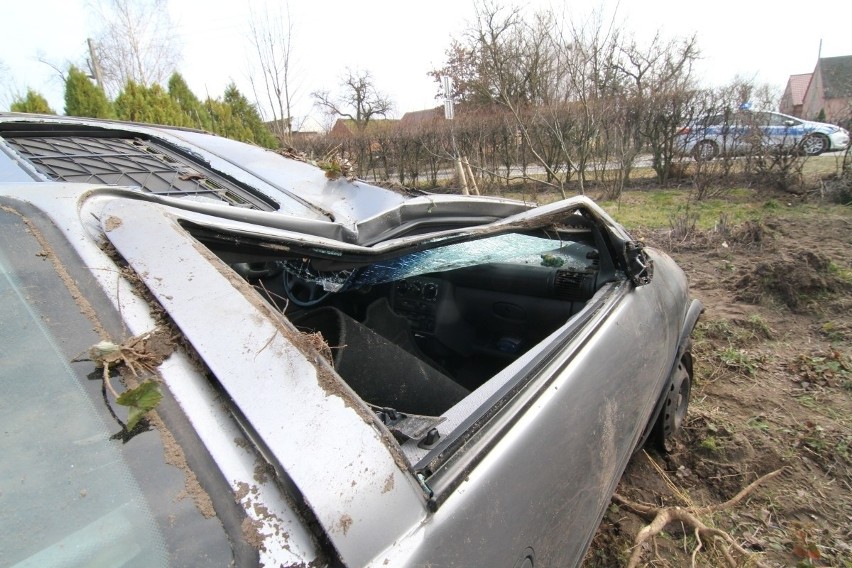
(418, 333)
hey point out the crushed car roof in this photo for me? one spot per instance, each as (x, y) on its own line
(207, 169)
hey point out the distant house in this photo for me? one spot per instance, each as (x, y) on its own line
(794, 94)
(305, 136)
(422, 118)
(347, 128)
(375, 131)
(281, 130)
(343, 128)
(828, 95)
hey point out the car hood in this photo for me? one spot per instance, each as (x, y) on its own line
(821, 127)
(295, 184)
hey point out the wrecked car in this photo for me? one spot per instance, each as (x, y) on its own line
(339, 374)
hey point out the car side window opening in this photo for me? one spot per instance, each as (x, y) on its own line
(780, 120)
(418, 333)
(761, 118)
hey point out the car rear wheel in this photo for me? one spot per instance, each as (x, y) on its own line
(675, 405)
(705, 151)
(815, 144)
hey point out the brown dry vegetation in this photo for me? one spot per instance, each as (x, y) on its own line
(773, 390)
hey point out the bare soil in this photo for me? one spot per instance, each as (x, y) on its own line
(772, 389)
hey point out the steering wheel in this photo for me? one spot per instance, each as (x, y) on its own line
(303, 293)
(255, 270)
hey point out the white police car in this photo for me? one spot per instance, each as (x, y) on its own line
(748, 132)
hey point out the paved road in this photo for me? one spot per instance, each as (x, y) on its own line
(642, 161)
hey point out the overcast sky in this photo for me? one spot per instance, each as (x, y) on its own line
(399, 41)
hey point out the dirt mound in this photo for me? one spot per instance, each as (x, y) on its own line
(750, 232)
(793, 279)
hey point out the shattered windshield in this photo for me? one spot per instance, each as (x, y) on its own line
(513, 248)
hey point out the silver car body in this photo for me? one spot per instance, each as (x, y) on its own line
(523, 465)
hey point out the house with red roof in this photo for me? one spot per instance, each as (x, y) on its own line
(825, 94)
(794, 95)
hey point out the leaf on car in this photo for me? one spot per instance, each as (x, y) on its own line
(551, 260)
(140, 400)
(105, 352)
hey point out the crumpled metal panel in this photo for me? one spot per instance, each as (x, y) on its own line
(344, 468)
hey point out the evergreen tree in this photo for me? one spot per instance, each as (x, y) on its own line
(151, 105)
(224, 123)
(84, 98)
(243, 118)
(193, 108)
(34, 103)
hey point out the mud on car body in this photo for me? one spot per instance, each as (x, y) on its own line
(359, 377)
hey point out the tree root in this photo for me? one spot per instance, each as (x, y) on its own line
(660, 517)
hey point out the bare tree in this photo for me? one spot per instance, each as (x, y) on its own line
(358, 100)
(588, 89)
(581, 94)
(517, 70)
(661, 83)
(136, 43)
(552, 77)
(272, 38)
(462, 64)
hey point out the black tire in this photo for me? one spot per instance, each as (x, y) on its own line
(674, 409)
(705, 151)
(814, 144)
